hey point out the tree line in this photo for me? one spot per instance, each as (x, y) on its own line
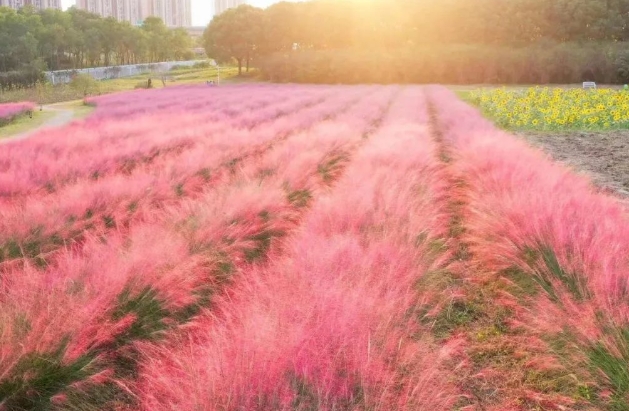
(428, 41)
(74, 39)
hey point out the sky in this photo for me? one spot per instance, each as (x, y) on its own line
(201, 9)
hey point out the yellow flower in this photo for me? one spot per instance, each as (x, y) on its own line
(555, 107)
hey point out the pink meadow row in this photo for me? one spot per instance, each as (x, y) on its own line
(528, 212)
(278, 337)
(10, 110)
(151, 186)
(231, 100)
(519, 199)
(329, 315)
(156, 250)
(103, 145)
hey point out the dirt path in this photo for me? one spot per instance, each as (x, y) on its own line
(62, 117)
(604, 156)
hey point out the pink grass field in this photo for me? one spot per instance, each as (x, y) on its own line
(9, 111)
(295, 247)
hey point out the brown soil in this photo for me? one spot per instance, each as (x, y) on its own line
(604, 156)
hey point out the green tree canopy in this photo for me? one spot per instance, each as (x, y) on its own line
(386, 24)
(56, 39)
(235, 34)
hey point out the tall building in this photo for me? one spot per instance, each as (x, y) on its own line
(105, 8)
(38, 4)
(222, 5)
(174, 13)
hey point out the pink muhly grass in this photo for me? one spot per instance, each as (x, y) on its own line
(76, 295)
(587, 231)
(322, 310)
(99, 272)
(322, 324)
(155, 255)
(329, 139)
(9, 110)
(32, 163)
(526, 213)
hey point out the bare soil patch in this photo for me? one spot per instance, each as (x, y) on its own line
(604, 156)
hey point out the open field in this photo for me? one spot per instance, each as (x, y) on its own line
(262, 247)
(48, 94)
(604, 155)
(78, 107)
(65, 98)
(54, 115)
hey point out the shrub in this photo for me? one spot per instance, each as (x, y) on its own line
(144, 84)
(85, 84)
(178, 67)
(201, 64)
(455, 64)
(15, 80)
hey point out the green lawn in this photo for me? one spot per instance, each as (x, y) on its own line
(24, 123)
(64, 97)
(49, 94)
(80, 109)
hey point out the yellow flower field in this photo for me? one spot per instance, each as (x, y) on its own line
(554, 108)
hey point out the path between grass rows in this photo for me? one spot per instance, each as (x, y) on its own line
(63, 114)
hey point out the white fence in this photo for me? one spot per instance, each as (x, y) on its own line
(111, 72)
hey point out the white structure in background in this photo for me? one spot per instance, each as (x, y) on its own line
(111, 72)
(589, 84)
(174, 13)
(221, 5)
(38, 4)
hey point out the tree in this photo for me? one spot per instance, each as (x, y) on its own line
(54, 39)
(235, 34)
(180, 44)
(280, 28)
(157, 38)
(85, 84)
(18, 46)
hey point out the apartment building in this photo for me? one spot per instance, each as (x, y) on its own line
(174, 13)
(222, 5)
(105, 8)
(38, 4)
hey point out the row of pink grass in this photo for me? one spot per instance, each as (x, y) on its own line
(153, 185)
(155, 249)
(518, 200)
(10, 110)
(329, 315)
(105, 144)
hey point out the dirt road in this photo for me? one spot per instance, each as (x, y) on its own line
(62, 117)
(602, 155)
